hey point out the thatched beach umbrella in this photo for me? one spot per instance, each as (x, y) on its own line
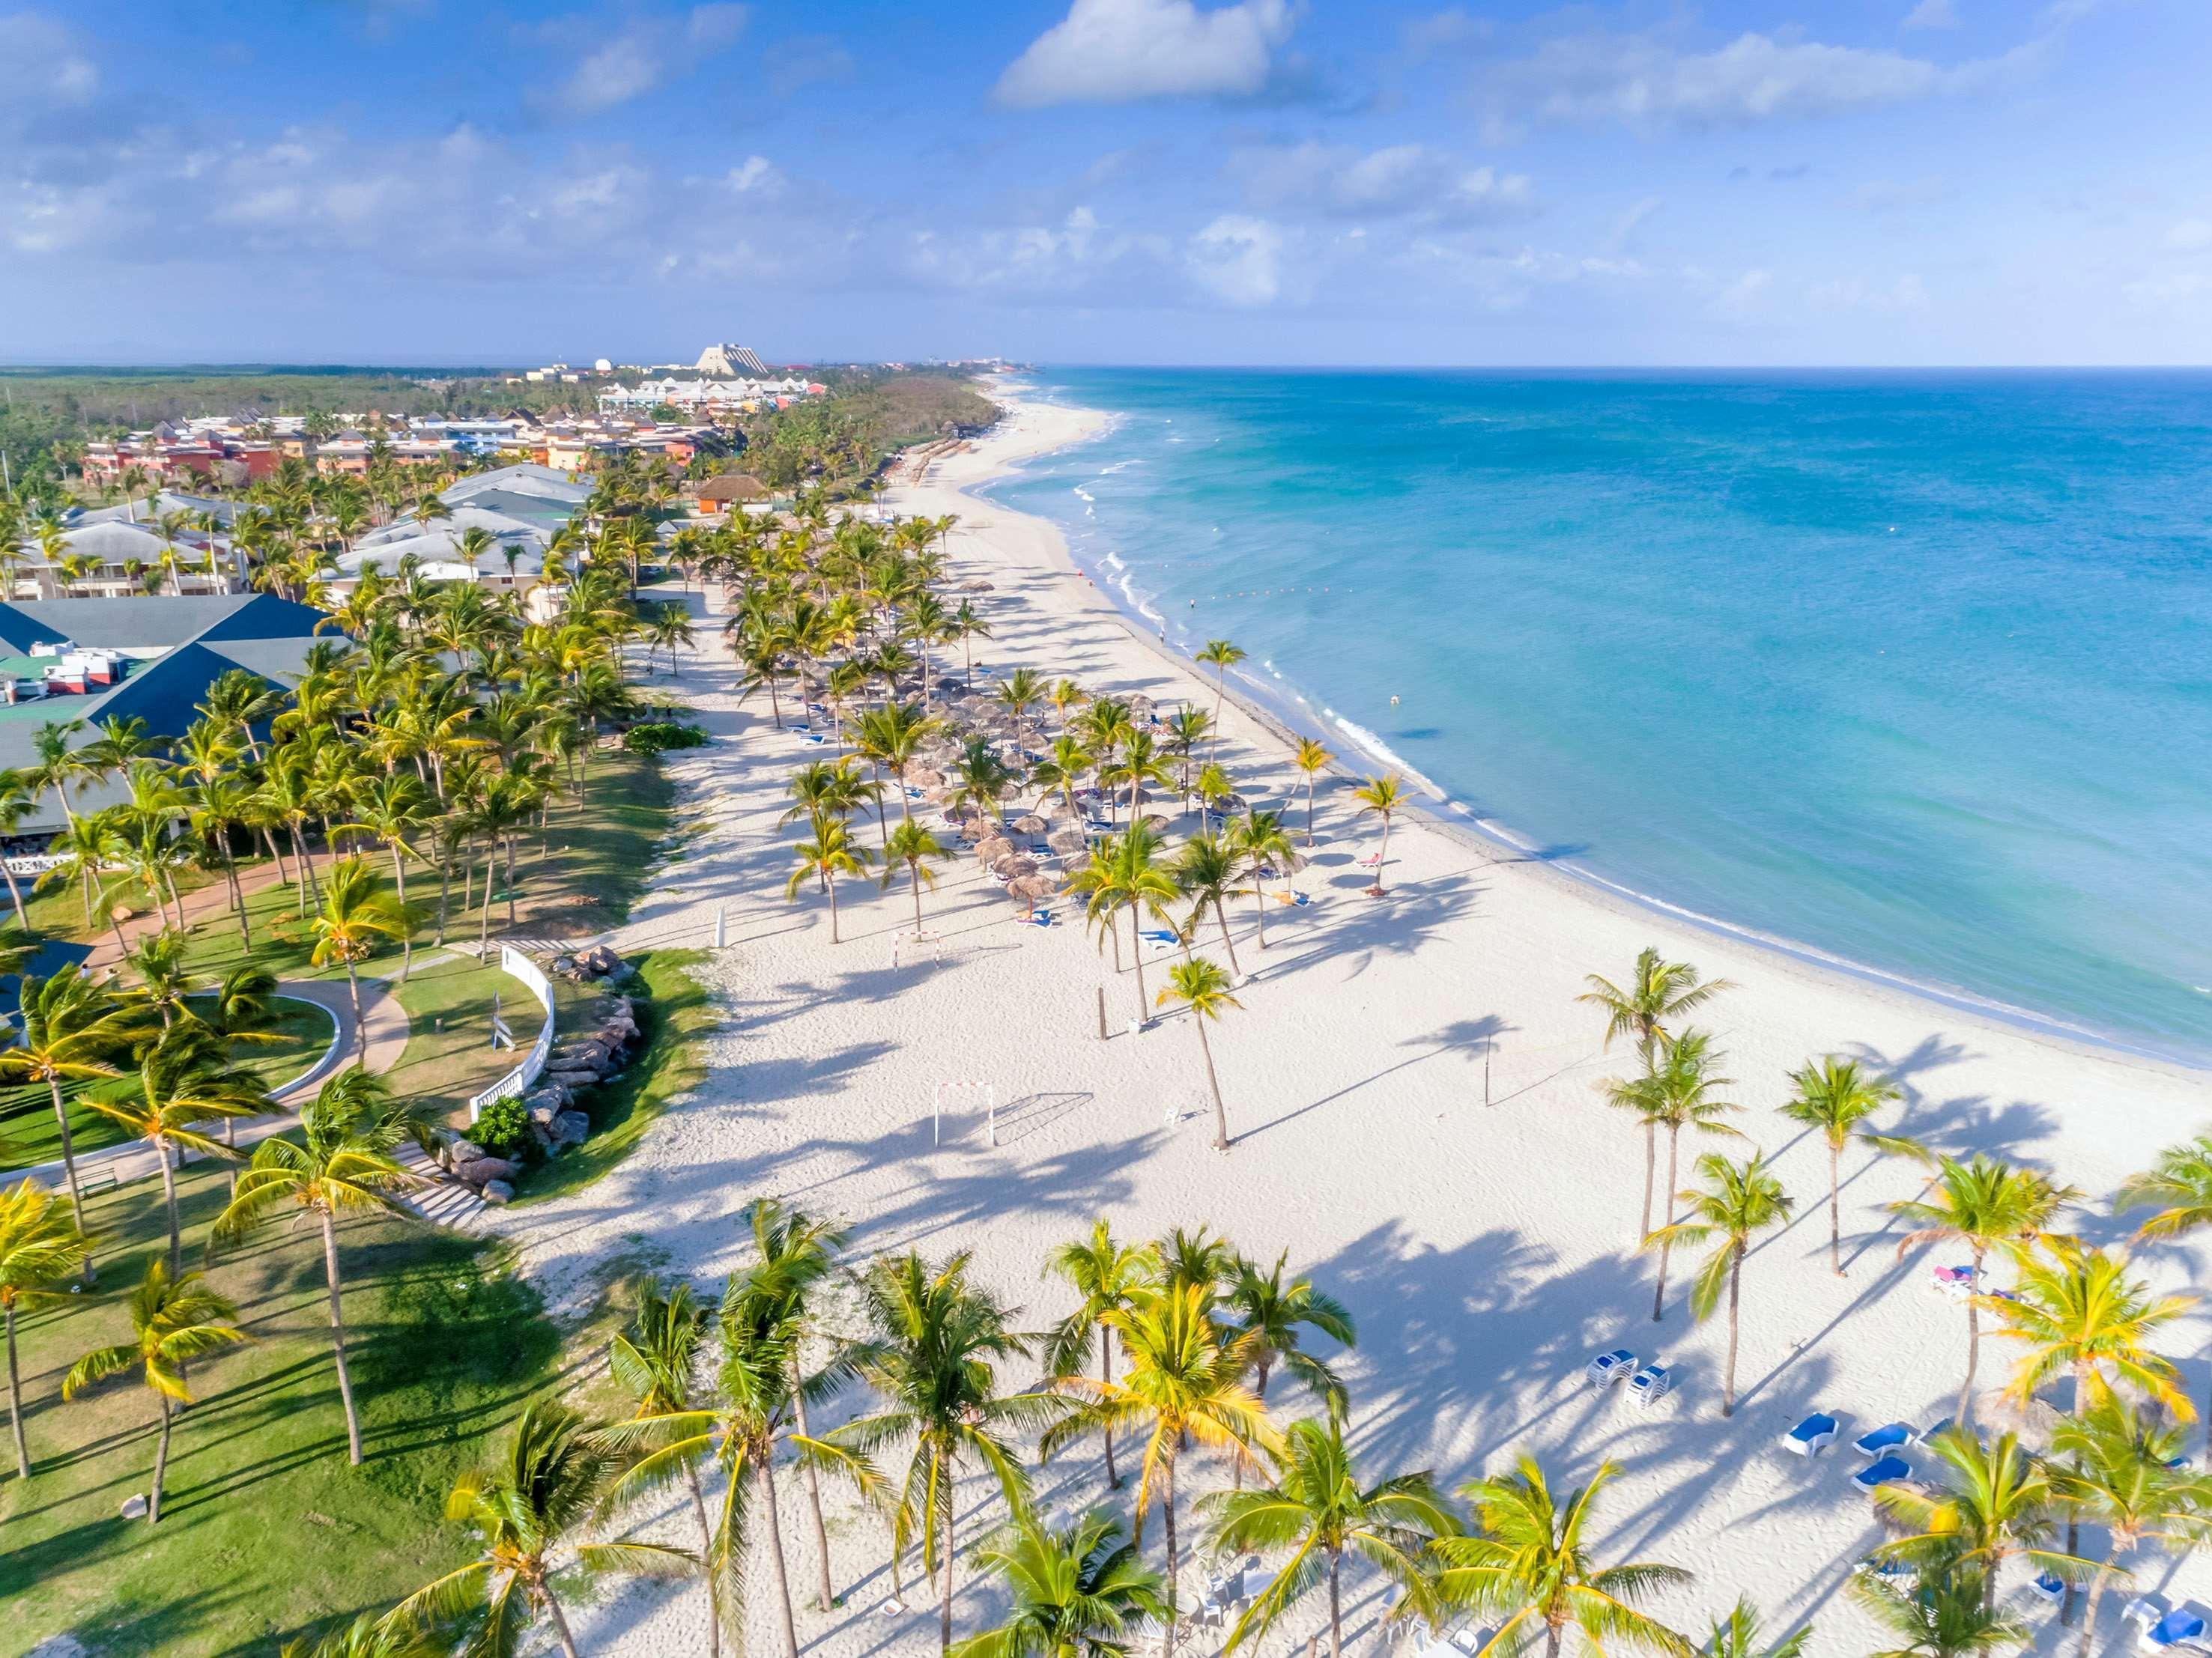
(1074, 861)
(1067, 841)
(1014, 865)
(992, 848)
(1031, 889)
(1154, 822)
(924, 777)
(1029, 823)
(976, 585)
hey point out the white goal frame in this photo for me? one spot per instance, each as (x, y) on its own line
(990, 1091)
(935, 941)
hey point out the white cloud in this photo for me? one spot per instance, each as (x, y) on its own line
(45, 66)
(1119, 51)
(712, 27)
(1238, 260)
(1742, 297)
(1399, 180)
(626, 67)
(754, 176)
(2191, 236)
(1643, 81)
(1932, 15)
(1630, 223)
(1907, 294)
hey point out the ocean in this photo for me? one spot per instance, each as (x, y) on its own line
(1908, 671)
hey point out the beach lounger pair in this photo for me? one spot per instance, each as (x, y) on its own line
(1037, 918)
(2160, 1630)
(1645, 1384)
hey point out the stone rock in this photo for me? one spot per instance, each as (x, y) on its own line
(571, 1128)
(134, 1506)
(599, 962)
(574, 1082)
(498, 1191)
(564, 964)
(479, 1170)
(550, 1098)
(460, 1151)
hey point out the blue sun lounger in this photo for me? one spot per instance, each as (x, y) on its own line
(1877, 1441)
(1649, 1385)
(1812, 1436)
(2049, 1588)
(1886, 1471)
(1608, 1367)
(2178, 1626)
(1160, 936)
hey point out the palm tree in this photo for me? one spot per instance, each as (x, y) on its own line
(1311, 760)
(368, 1636)
(1741, 1200)
(830, 853)
(164, 981)
(524, 1511)
(2121, 1475)
(936, 1341)
(1529, 1562)
(1738, 1635)
(1078, 1591)
(1108, 1276)
(396, 809)
(344, 1166)
(72, 1028)
(1203, 870)
(1203, 988)
(1678, 1095)
(917, 848)
(18, 800)
(1276, 1313)
(174, 1319)
(355, 915)
(1949, 1616)
(1183, 1386)
(1221, 656)
(1124, 873)
(1994, 1502)
(656, 1361)
(1020, 691)
(1317, 1510)
(40, 1246)
(1259, 842)
(1064, 768)
(890, 737)
(1187, 728)
(184, 1079)
(1382, 796)
(795, 1256)
(1657, 993)
(2179, 1186)
(1981, 1205)
(2078, 1311)
(1834, 1096)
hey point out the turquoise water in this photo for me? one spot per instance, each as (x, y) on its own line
(1913, 670)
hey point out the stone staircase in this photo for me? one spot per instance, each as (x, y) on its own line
(448, 1202)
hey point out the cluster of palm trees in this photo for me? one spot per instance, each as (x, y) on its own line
(1171, 1345)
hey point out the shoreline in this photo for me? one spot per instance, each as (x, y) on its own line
(1442, 816)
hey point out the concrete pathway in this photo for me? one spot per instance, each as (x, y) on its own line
(386, 1023)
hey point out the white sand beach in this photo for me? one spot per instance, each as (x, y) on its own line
(1413, 1091)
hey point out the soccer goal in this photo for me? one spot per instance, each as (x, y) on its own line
(913, 943)
(956, 1092)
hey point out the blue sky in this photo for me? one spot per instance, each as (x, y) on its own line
(1280, 181)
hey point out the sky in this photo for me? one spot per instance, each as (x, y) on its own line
(1744, 182)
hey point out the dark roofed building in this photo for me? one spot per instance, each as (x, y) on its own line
(180, 645)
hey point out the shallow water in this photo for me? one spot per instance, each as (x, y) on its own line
(1909, 669)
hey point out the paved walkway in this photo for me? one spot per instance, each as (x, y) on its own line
(385, 1022)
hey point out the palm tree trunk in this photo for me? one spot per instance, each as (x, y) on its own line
(813, 1481)
(1735, 1286)
(1966, 1410)
(1220, 1115)
(1106, 1375)
(945, 1541)
(913, 879)
(360, 1025)
(1650, 1168)
(1382, 853)
(1259, 905)
(407, 937)
(560, 1622)
(1659, 1294)
(86, 1275)
(1309, 786)
(1335, 1608)
(338, 1339)
(1136, 955)
(445, 889)
(1835, 1210)
(160, 1464)
(15, 1402)
(1227, 943)
(766, 1475)
(14, 896)
(509, 838)
(169, 1201)
(2096, 1592)
(706, 1551)
(1167, 1516)
(831, 885)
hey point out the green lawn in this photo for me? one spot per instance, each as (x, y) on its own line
(26, 1115)
(673, 1011)
(265, 1529)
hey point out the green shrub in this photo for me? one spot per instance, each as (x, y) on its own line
(658, 736)
(502, 1126)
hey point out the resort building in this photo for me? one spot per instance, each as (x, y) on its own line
(87, 659)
